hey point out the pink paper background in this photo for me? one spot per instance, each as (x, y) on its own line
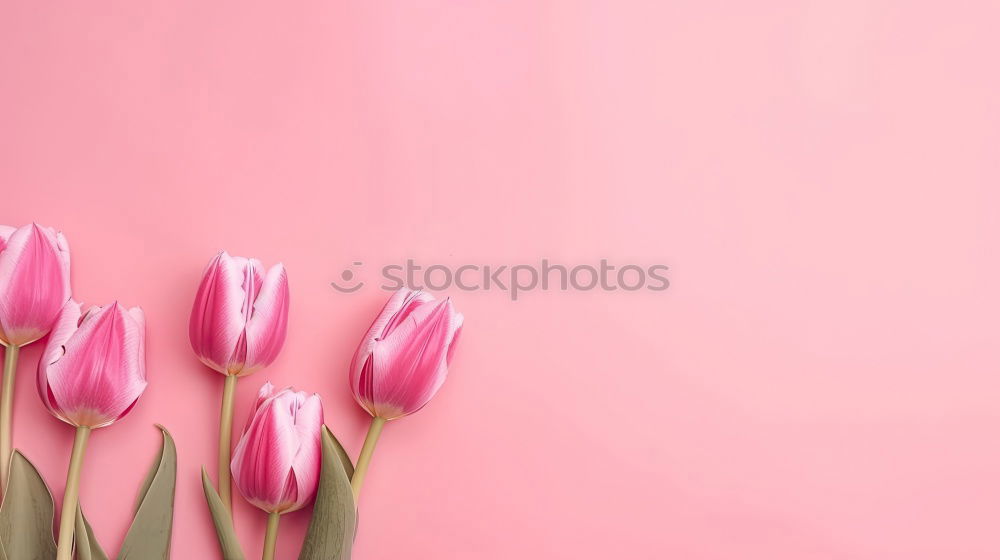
(820, 382)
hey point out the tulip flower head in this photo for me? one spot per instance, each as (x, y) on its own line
(93, 369)
(403, 359)
(34, 282)
(276, 464)
(240, 315)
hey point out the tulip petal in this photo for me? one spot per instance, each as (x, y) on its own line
(413, 302)
(262, 461)
(217, 319)
(308, 459)
(102, 373)
(34, 282)
(277, 460)
(400, 305)
(63, 246)
(66, 324)
(266, 392)
(250, 269)
(414, 357)
(253, 281)
(5, 233)
(268, 324)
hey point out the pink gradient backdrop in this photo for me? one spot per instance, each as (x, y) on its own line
(820, 382)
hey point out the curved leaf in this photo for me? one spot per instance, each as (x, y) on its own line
(87, 547)
(345, 459)
(228, 541)
(26, 514)
(331, 529)
(149, 536)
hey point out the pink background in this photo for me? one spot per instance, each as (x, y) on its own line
(820, 382)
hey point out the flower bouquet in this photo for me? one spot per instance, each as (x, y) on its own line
(286, 457)
(92, 373)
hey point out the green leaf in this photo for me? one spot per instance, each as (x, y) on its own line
(331, 529)
(87, 547)
(149, 536)
(228, 541)
(26, 514)
(345, 459)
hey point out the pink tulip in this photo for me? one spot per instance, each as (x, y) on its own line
(401, 363)
(93, 369)
(91, 374)
(277, 461)
(403, 359)
(34, 282)
(237, 327)
(240, 315)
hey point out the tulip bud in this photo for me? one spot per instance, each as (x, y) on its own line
(403, 359)
(93, 369)
(240, 315)
(277, 461)
(34, 282)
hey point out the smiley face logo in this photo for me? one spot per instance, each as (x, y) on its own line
(347, 275)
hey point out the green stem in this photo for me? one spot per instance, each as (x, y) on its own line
(7, 412)
(225, 441)
(71, 497)
(271, 536)
(361, 469)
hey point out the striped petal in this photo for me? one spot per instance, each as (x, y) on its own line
(413, 362)
(66, 324)
(218, 316)
(276, 462)
(400, 305)
(403, 361)
(308, 458)
(267, 325)
(34, 282)
(5, 233)
(101, 372)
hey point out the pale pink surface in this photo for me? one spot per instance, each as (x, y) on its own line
(820, 381)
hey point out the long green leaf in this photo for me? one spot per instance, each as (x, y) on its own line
(149, 536)
(87, 547)
(345, 459)
(228, 542)
(331, 529)
(26, 514)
